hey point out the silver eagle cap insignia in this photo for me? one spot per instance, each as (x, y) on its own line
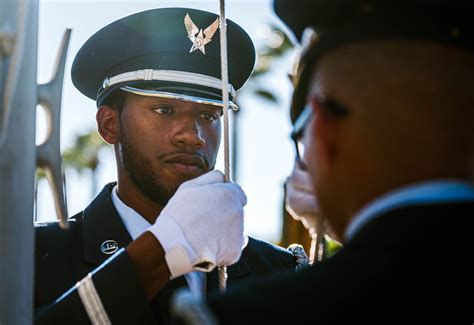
(199, 37)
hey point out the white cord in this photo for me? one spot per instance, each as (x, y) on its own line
(91, 301)
(225, 101)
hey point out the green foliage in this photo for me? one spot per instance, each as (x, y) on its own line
(331, 247)
(276, 45)
(40, 174)
(84, 154)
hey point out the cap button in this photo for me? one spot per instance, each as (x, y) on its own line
(106, 83)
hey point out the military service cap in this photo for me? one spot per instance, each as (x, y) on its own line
(166, 52)
(323, 25)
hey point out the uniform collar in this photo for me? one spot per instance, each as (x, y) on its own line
(427, 193)
(101, 224)
(133, 221)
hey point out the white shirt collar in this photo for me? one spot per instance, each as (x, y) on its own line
(133, 221)
(424, 193)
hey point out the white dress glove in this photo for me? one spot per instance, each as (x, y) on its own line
(202, 225)
(301, 202)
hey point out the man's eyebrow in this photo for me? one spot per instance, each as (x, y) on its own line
(334, 107)
(158, 105)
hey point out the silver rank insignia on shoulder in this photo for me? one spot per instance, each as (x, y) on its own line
(196, 35)
(109, 247)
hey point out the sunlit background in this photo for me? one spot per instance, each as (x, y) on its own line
(264, 153)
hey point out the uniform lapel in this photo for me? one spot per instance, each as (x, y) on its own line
(102, 223)
(234, 272)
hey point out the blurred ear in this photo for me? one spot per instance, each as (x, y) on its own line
(326, 132)
(108, 123)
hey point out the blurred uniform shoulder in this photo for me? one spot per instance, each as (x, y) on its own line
(276, 257)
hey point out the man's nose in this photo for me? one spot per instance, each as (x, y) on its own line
(189, 133)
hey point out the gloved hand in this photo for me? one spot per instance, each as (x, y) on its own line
(301, 202)
(202, 225)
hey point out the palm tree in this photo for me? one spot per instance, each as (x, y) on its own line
(84, 155)
(276, 45)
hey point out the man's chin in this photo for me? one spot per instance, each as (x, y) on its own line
(174, 180)
(180, 173)
(160, 190)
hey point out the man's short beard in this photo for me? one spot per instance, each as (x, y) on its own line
(140, 170)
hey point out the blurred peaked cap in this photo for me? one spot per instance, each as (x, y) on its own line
(341, 22)
(327, 15)
(165, 52)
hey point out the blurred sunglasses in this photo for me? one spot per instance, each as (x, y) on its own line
(331, 106)
(297, 134)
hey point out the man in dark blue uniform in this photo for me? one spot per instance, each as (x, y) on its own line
(155, 77)
(384, 106)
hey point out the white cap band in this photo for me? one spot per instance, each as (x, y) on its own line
(167, 75)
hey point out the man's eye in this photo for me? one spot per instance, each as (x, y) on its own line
(210, 117)
(163, 110)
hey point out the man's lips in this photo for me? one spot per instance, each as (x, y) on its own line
(186, 161)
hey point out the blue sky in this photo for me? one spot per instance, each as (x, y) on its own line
(265, 151)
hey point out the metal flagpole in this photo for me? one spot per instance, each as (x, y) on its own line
(48, 153)
(18, 48)
(19, 96)
(225, 101)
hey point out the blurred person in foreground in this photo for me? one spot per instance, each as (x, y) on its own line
(384, 105)
(155, 77)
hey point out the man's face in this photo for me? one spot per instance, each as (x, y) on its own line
(165, 142)
(325, 155)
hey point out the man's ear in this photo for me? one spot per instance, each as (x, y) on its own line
(108, 123)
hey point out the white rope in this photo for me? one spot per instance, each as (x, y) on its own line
(225, 101)
(312, 246)
(317, 245)
(190, 309)
(91, 301)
